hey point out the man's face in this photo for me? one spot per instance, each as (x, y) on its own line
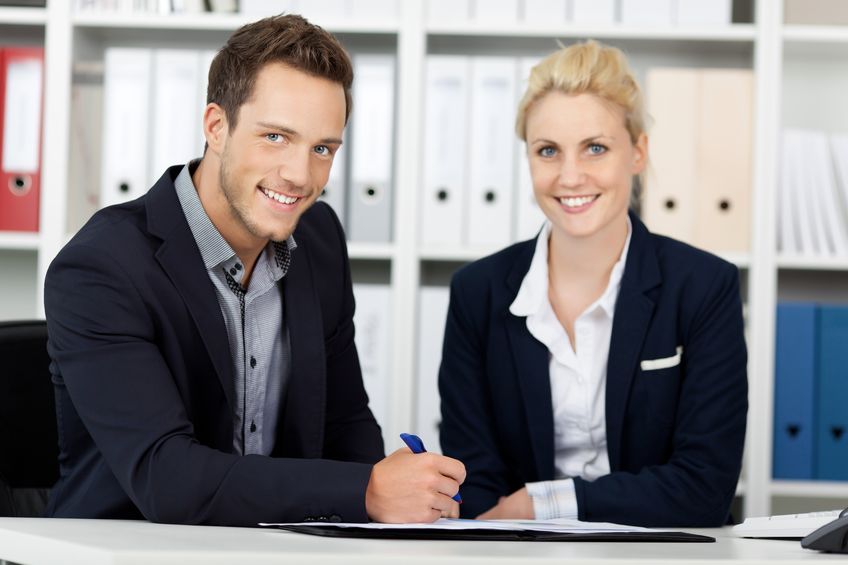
(276, 161)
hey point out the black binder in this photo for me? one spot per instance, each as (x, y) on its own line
(493, 535)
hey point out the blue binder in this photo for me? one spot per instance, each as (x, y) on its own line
(832, 428)
(794, 392)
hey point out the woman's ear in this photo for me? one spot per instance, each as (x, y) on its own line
(640, 154)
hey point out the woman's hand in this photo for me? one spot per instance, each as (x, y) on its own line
(517, 506)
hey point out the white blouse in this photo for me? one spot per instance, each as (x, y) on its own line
(578, 380)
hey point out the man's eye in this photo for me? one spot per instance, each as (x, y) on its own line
(274, 137)
(322, 150)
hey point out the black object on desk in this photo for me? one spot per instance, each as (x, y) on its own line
(832, 537)
(493, 535)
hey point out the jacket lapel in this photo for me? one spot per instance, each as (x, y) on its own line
(302, 432)
(530, 367)
(633, 313)
(180, 259)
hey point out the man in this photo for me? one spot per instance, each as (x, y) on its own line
(202, 335)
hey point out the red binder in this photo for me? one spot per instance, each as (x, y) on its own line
(21, 104)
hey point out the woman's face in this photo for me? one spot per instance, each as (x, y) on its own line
(582, 162)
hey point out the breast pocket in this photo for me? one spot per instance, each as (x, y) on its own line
(660, 380)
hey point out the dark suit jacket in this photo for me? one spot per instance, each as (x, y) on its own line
(144, 384)
(674, 435)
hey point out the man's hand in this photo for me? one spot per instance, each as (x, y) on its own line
(406, 487)
(517, 506)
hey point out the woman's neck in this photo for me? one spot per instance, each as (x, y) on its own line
(586, 260)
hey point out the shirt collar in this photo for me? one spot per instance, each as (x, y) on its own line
(214, 249)
(533, 293)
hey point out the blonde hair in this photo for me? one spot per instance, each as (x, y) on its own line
(587, 67)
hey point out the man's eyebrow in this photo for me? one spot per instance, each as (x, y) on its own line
(294, 133)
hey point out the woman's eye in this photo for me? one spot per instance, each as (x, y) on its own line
(547, 151)
(596, 149)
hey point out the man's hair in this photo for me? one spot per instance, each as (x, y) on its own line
(287, 39)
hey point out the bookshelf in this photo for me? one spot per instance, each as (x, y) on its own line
(783, 57)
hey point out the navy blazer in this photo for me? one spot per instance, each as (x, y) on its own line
(674, 435)
(145, 388)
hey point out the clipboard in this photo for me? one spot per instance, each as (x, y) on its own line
(413, 533)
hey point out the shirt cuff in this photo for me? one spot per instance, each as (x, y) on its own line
(553, 499)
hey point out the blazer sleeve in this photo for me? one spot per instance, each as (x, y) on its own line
(467, 431)
(695, 487)
(103, 343)
(352, 433)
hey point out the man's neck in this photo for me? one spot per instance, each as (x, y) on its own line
(206, 179)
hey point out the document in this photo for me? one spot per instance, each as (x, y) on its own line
(518, 530)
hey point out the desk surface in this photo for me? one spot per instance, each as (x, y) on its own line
(37, 541)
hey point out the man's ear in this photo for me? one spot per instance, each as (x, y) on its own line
(215, 127)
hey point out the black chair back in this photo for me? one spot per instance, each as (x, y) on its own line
(28, 441)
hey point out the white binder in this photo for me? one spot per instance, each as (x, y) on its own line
(491, 179)
(496, 12)
(787, 225)
(126, 118)
(371, 151)
(448, 12)
(372, 320)
(320, 11)
(839, 153)
(808, 243)
(821, 191)
(206, 57)
(175, 112)
(647, 12)
(263, 8)
(371, 10)
(592, 11)
(545, 12)
(443, 200)
(529, 217)
(432, 314)
(699, 12)
(335, 191)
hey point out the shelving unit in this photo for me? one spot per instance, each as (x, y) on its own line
(786, 59)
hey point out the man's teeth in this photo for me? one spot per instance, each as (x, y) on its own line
(280, 197)
(575, 201)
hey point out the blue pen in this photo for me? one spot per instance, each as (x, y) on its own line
(414, 443)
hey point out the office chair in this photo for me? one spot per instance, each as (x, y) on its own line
(28, 442)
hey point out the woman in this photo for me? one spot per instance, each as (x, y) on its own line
(599, 371)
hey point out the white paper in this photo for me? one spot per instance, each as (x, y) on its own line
(563, 526)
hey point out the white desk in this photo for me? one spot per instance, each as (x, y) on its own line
(37, 541)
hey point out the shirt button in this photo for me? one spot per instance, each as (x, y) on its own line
(238, 266)
(252, 362)
(233, 271)
(252, 426)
